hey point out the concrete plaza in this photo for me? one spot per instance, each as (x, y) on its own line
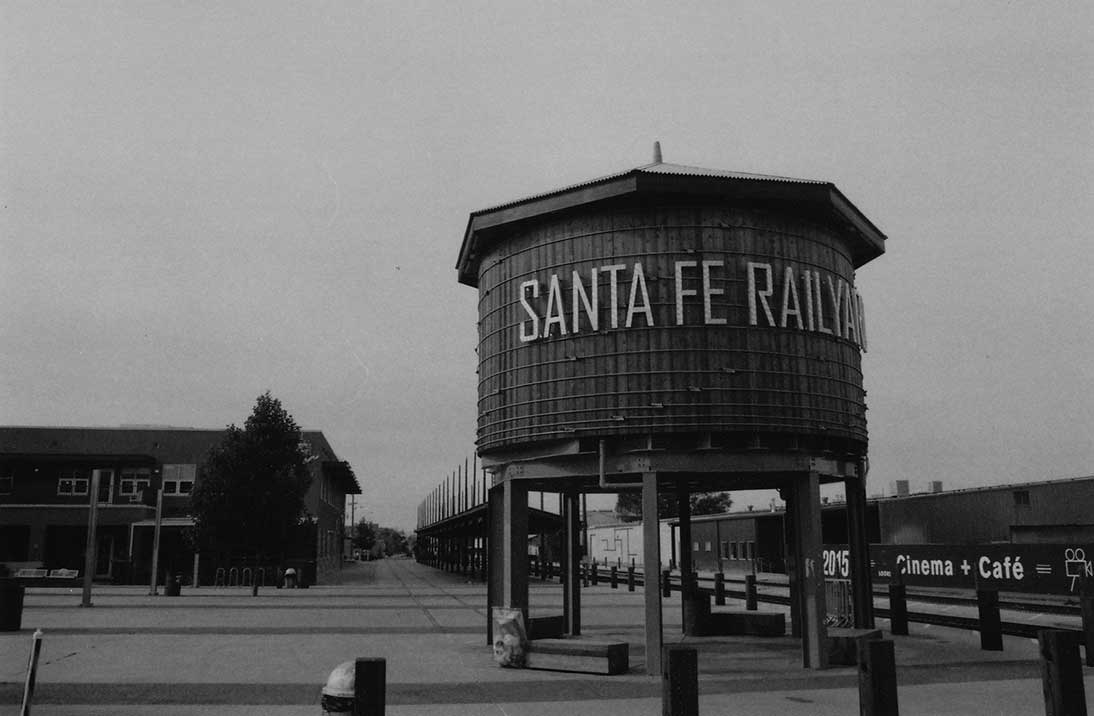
(217, 650)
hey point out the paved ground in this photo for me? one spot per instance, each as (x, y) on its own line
(223, 651)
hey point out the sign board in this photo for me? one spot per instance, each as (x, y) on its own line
(1038, 568)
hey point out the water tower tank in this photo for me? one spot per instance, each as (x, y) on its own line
(671, 302)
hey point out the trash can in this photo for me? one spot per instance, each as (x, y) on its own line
(11, 605)
(173, 586)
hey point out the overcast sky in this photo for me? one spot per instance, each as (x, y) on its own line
(205, 201)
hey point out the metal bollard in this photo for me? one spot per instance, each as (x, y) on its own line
(991, 626)
(596, 574)
(750, 592)
(584, 574)
(1061, 672)
(877, 678)
(630, 578)
(719, 589)
(898, 608)
(679, 681)
(666, 583)
(369, 686)
(615, 578)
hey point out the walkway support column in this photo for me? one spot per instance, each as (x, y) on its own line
(571, 558)
(651, 567)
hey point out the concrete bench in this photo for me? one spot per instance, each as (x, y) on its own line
(545, 627)
(842, 644)
(578, 654)
(745, 623)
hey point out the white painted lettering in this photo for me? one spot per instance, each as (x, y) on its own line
(680, 290)
(754, 292)
(526, 336)
(638, 283)
(790, 296)
(555, 313)
(578, 294)
(709, 291)
(613, 284)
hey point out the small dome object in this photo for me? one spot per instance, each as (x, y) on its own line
(338, 693)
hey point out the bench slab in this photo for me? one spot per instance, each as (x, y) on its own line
(738, 623)
(842, 644)
(585, 655)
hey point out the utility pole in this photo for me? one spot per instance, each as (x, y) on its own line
(90, 555)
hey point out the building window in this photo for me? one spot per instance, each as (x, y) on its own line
(73, 483)
(725, 549)
(178, 480)
(733, 550)
(707, 547)
(7, 482)
(134, 480)
(1021, 498)
(751, 549)
(694, 546)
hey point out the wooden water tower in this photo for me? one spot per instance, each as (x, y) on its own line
(673, 328)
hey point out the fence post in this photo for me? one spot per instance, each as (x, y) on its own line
(630, 578)
(679, 681)
(615, 578)
(369, 685)
(898, 607)
(1086, 602)
(32, 673)
(877, 678)
(991, 626)
(750, 592)
(719, 589)
(1061, 672)
(666, 583)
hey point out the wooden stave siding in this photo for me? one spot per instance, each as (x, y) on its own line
(786, 381)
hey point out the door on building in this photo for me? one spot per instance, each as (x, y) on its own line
(106, 487)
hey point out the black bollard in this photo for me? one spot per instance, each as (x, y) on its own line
(584, 574)
(898, 608)
(719, 589)
(596, 574)
(369, 685)
(1086, 604)
(666, 583)
(877, 678)
(750, 592)
(1061, 672)
(630, 579)
(991, 626)
(615, 578)
(679, 681)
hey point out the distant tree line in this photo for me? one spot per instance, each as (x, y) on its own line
(377, 541)
(628, 506)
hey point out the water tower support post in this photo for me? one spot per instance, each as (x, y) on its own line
(859, 548)
(571, 558)
(651, 567)
(515, 545)
(810, 570)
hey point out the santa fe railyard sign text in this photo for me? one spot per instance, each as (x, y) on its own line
(779, 296)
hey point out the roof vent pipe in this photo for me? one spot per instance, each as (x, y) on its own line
(657, 152)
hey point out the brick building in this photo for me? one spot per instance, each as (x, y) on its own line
(45, 484)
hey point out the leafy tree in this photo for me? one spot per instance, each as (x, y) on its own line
(365, 536)
(380, 541)
(628, 505)
(249, 499)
